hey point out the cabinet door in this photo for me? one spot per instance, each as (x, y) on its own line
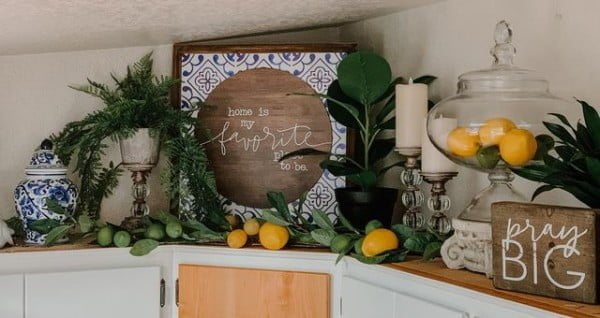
(128, 292)
(360, 299)
(209, 292)
(11, 296)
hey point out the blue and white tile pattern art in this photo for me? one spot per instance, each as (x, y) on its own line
(201, 73)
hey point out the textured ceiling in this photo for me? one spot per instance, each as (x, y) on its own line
(36, 26)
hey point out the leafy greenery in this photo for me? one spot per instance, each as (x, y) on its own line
(139, 100)
(323, 232)
(364, 82)
(575, 167)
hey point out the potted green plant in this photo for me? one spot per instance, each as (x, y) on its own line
(138, 112)
(575, 166)
(364, 82)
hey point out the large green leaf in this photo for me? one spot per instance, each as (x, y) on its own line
(584, 139)
(370, 260)
(364, 76)
(390, 93)
(385, 111)
(339, 168)
(86, 224)
(323, 236)
(44, 226)
(542, 189)
(560, 132)
(275, 218)
(57, 233)
(143, 247)
(388, 124)
(403, 231)
(563, 120)
(593, 167)
(366, 179)
(345, 223)
(592, 121)
(166, 217)
(322, 220)
(432, 250)
(533, 172)
(55, 207)
(277, 200)
(380, 149)
(338, 111)
(425, 79)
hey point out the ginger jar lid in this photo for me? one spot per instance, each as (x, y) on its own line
(45, 162)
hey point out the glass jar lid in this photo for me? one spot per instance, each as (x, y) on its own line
(503, 76)
(45, 162)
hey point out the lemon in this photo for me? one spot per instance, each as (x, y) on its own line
(494, 129)
(340, 243)
(379, 241)
(372, 225)
(105, 236)
(122, 239)
(234, 220)
(463, 142)
(155, 231)
(237, 238)
(272, 236)
(518, 147)
(251, 227)
(174, 230)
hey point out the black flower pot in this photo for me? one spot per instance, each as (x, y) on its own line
(360, 207)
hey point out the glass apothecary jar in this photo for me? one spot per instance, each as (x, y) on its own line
(496, 121)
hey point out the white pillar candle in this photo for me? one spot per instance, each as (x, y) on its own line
(432, 160)
(411, 108)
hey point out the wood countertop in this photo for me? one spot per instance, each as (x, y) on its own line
(435, 270)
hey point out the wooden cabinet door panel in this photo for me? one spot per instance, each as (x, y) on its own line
(208, 292)
(11, 296)
(126, 292)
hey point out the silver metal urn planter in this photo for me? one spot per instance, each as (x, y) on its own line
(139, 154)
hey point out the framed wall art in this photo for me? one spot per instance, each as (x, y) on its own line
(256, 110)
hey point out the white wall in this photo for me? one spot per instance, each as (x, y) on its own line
(558, 38)
(35, 102)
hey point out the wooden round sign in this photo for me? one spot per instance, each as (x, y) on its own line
(253, 119)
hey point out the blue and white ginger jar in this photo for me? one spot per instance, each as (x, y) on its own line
(45, 178)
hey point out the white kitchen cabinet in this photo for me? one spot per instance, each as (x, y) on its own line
(125, 292)
(362, 299)
(11, 296)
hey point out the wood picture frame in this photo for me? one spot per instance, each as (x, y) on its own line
(226, 62)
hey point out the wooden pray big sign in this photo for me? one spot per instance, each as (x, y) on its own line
(546, 250)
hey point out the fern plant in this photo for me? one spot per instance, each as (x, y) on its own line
(575, 167)
(139, 100)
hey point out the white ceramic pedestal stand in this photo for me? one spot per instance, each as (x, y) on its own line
(470, 247)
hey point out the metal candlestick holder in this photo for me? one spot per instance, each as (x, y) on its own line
(439, 203)
(412, 198)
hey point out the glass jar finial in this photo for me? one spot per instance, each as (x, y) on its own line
(503, 51)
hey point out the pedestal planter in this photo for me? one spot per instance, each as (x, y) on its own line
(359, 207)
(139, 154)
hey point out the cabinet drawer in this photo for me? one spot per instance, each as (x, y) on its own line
(208, 291)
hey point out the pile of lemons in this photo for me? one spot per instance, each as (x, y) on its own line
(496, 138)
(271, 236)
